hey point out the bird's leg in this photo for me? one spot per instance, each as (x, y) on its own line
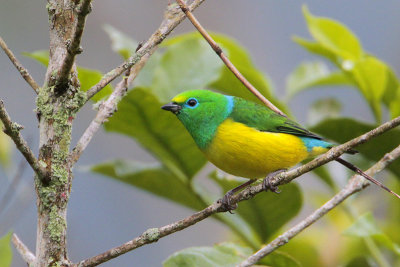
(226, 199)
(267, 183)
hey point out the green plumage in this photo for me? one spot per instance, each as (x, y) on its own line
(264, 119)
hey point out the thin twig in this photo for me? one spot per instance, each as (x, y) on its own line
(107, 109)
(73, 47)
(172, 20)
(12, 129)
(23, 250)
(23, 71)
(218, 50)
(154, 234)
(355, 184)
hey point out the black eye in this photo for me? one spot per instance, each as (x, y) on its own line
(192, 102)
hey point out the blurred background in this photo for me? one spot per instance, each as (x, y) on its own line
(104, 213)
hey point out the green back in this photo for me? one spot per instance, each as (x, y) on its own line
(264, 119)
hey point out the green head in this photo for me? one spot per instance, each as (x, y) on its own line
(201, 111)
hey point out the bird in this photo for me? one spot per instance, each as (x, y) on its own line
(247, 139)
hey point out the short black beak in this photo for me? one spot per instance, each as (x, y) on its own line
(173, 107)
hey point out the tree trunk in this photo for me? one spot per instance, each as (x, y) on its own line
(57, 104)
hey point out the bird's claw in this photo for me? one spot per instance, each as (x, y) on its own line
(226, 204)
(267, 182)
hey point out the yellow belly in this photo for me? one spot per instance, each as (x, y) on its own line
(246, 152)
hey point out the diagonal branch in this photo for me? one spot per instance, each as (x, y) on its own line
(24, 73)
(107, 109)
(154, 234)
(355, 184)
(23, 250)
(218, 50)
(173, 18)
(83, 9)
(12, 129)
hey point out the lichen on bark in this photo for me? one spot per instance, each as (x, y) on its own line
(56, 114)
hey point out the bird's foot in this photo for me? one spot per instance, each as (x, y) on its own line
(226, 202)
(267, 181)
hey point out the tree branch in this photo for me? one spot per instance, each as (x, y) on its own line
(12, 129)
(24, 73)
(23, 250)
(83, 9)
(154, 234)
(218, 50)
(172, 19)
(107, 108)
(355, 184)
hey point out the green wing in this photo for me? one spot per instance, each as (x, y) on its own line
(264, 119)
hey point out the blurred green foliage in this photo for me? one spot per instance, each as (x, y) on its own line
(186, 62)
(5, 250)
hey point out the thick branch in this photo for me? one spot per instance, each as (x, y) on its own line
(224, 58)
(169, 23)
(107, 109)
(355, 184)
(154, 234)
(23, 250)
(83, 9)
(24, 73)
(12, 129)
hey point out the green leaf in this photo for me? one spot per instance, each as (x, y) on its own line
(391, 97)
(140, 117)
(316, 48)
(146, 75)
(358, 262)
(42, 56)
(153, 178)
(189, 64)
(5, 148)
(279, 258)
(264, 213)
(365, 226)
(342, 130)
(120, 42)
(371, 76)
(90, 77)
(5, 250)
(312, 74)
(394, 105)
(334, 36)
(224, 254)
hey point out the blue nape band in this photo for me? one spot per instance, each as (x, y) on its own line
(310, 143)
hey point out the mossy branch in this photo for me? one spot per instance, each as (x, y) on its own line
(248, 193)
(73, 46)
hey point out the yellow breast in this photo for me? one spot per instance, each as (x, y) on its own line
(246, 152)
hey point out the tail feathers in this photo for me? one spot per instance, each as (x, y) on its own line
(363, 174)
